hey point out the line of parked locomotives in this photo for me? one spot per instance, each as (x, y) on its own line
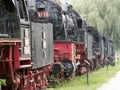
(42, 39)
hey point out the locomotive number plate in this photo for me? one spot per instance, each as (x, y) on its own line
(43, 14)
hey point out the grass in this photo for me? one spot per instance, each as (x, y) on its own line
(96, 79)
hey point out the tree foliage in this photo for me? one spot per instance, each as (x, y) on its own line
(102, 14)
(3, 82)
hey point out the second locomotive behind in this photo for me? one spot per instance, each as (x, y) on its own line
(68, 34)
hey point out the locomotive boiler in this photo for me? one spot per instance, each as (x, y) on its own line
(66, 21)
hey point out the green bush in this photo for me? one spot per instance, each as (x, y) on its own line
(3, 82)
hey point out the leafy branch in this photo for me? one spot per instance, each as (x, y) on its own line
(3, 82)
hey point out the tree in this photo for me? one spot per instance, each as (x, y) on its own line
(102, 14)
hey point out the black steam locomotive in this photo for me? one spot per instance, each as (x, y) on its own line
(44, 38)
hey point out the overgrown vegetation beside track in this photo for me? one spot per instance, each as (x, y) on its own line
(96, 79)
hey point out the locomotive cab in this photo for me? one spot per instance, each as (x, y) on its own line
(9, 22)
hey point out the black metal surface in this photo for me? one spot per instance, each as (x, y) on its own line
(9, 21)
(57, 68)
(67, 23)
(68, 68)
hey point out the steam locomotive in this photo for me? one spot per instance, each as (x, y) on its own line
(40, 38)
